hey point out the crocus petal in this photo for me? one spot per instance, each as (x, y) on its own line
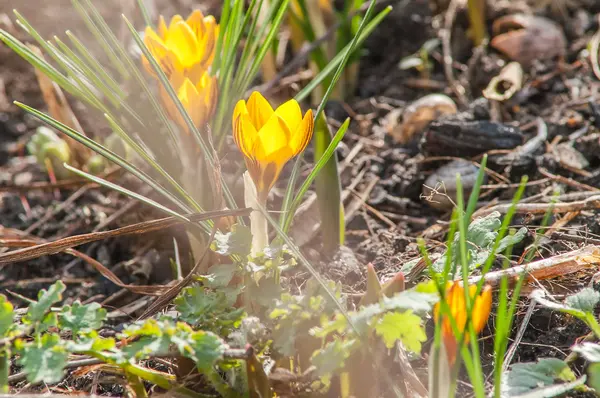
(259, 109)
(163, 31)
(303, 134)
(163, 55)
(240, 108)
(174, 21)
(183, 43)
(196, 23)
(291, 113)
(272, 137)
(245, 135)
(188, 95)
(482, 308)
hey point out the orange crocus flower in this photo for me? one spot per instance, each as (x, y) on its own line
(455, 297)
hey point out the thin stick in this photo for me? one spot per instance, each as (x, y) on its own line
(560, 265)
(513, 348)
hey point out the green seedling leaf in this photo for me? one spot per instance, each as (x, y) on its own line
(480, 238)
(43, 359)
(46, 298)
(47, 146)
(90, 341)
(401, 326)
(332, 357)
(584, 300)
(206, 349)
(220, 275)
(80, 317)
(238, 241)
(208, 309)
(7, 316)
(151, 337)
(531, 377)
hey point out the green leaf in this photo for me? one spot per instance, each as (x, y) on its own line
(539, 296)
(584, 300)
(332, 356)
(90, 341)
(206, 349)
(151, 337)
(220, 275)
(208, 309)
(401, 326)
(80, 317)
(480, 239)
(593, 372)
(38, 309)
(43, 359)
(6, 315)
(238, 241)
(590, 351)
(529, 377)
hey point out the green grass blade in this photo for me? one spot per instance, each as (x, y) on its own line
(151, 162)
(88, 73)
(302, 260)
(225, 12)
(125, 191)
(329, 189)
(314, 172)
(85, 54)
(24, 52)
(145, 13)
(106, 153)
(346, 55)
(207, 152)
(289, 194)
(62, 62)
(101, 40)
(266, 43)
(107, 32)
(337, 60)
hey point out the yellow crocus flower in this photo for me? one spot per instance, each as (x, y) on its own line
(455, 297)
(185, 46)
(269, 138)
(199, 100)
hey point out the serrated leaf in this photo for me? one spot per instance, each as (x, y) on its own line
(206, 349)
(90, 341)
(6, 315)
(531, 376)
(220, 275)
(590, 351)
(481, 236)
(584, 300)
(210, 309)
(332, 356)
(46, 298)
(401, 326)
(78, 317)
(236, 242)
(43, 359)
(151, 337)
(540, 297)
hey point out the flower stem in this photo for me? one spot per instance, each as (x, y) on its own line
(258, 222)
